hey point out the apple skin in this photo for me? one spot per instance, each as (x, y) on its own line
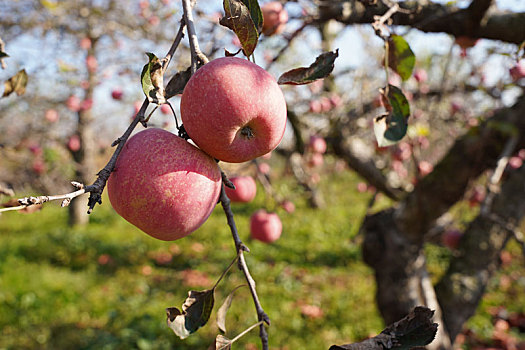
(164, 185)
(265, 227)
(451, 238)
(317, 144)
(275, 18)
(245, 189)
(233, 110)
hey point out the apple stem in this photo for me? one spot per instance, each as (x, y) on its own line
(241, 248)
(247, 132)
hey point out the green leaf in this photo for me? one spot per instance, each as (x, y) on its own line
(16, 83)
(400, 56)
(255, 13)
(223, 310)
(152, 80)
(392, 126)
(321, 68)
(238, 18)
(196, 312)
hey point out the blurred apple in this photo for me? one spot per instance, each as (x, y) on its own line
(275, 18)
(315, 160)
(86, 104)
(51, 115)
(362, 187)
(39, 166)
(165, 109)
(73, 103)
(35, 149)
(315, 106)
(425, 168)
(245, 189)
(317, 144)
(336, 100)
(288, 206)
(91, 63)
(515, 162)
(326, 105)
(518, 71)
(451, 238)
(264, 168)
(265, 227)
(117, 94)
(154, 20)
(85, 43)
(477, 195)
(73, 143)
(420, 75)
(315, 178)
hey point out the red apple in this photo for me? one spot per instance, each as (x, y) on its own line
(264, 168)
(362, 187)
(275, 18)
(515, 162)
(233, 110)
(245, 189)
(326, 105)
(420, 75)
(425, 168)
(451, 238)
(265, 227)
(288, 206)
(317, 144)
(36, 149)
(86, 104)
(91, 63)
(164, 185)
(73, 103)
(117, 94)
(85, 43)
(518, 71)
(315, 160)
(39, 167)
(336, 100)
(315, 106)
(51, 115)
(165, 109)
(74, 143)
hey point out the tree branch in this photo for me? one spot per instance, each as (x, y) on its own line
(241, 248)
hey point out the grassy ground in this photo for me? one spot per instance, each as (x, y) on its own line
(106, 286)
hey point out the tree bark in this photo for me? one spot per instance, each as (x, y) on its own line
(394, 237)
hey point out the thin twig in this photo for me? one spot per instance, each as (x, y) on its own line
(241, 248)
(196, 53)
(289, 41)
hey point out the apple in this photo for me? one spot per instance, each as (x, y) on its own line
(233, 110)
(288, 206)
(265, 227)
(51, 115)
(515, 162)
(36, 149)
(518, 71)
(86, 104)
(73, 143)
(362, 187)
(316, 106)
(315, 160)
(425, 168)
(85, 43)
(91, 63)
(117, 94)
(451, 238)
(420, 75)
(39, 167)
(336, 100)
(264, 168)
(274, 18)
(165, 109)
(164, 185)
(73, 103)
(245, 189)
(317, 144)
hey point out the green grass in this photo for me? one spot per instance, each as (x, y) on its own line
(106, 286)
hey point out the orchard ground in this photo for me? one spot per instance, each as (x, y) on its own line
(106, 286)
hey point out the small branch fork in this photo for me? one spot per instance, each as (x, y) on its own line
(241, 248)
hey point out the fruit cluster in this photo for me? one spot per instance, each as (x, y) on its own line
(234, 111)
